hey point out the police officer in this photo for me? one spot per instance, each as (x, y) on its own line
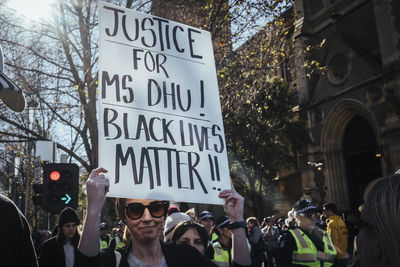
(118, 237)
(207, 220)
(105, 237)
(306, 245)
(220, 249)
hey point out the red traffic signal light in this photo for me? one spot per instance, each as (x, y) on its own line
(55, 175)
(60, 186)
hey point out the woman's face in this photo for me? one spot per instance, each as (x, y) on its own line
(191, 237)
(69, 230)
(147, 228)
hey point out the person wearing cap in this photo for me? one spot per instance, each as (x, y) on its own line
(306, 245)
(171, 221)
(118, 237)
(60, 250)
(220, 249)
(337, 229)
(206, 218)
(258, 246)
(105, 237)
(271, 236)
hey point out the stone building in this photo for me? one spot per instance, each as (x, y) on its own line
(352, 112)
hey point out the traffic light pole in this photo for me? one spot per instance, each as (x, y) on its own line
(28, 175)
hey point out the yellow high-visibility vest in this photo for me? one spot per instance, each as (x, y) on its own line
(221, 256)
(118, 242)
(308, 255)
(104, 243)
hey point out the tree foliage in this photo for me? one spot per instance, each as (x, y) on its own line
(261, 129)
(55, 63)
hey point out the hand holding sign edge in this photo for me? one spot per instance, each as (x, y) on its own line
(234, 204)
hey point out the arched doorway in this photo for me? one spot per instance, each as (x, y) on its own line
(361, 163)
(337, 124)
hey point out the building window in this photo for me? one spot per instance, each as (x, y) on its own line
(339, 69)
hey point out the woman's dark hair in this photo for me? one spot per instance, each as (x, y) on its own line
(382, 200)
(182, 227)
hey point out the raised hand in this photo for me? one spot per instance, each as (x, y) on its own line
(234, 204)
(96, 187)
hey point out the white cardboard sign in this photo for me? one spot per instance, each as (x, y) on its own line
(161, 134)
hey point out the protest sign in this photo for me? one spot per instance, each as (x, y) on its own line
(160, 124)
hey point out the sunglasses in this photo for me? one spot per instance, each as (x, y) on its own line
(136, 210)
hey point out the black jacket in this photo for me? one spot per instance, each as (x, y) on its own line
(51, 254)
(176, 255)
(16, 243)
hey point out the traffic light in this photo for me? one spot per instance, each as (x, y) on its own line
(60, 186)
(37, 194)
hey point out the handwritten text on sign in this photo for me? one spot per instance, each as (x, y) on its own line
(160, 129)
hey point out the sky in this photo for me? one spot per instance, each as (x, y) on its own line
(32, 9)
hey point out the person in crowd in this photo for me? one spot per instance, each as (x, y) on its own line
(207, 219)
(256, 241)
(220, 249)
(322, 222)
(378, 238)
(291, 220)
(280, 224)
(16, 243)
(173, 209)
(60, 250)
(263, 223)
(105, 237)
(270, 235)
(192, 213)
(305, 245)
(337, 229)
(170, 223)
(118, 236)
(191, 233)
(145, 218)
(43, 235)
(114, 231)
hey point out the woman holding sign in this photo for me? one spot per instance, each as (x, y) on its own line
(145, 219)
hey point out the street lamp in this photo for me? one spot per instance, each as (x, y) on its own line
(32, 105)
(10, 93)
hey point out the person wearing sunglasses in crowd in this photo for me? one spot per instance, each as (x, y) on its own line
(305, 245)
(145, 219)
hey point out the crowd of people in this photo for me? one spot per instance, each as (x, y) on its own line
(155, 233)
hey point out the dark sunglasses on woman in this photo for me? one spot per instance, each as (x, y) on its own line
(136, 210)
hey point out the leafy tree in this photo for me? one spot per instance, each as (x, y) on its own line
(261, 129)
(55, 63)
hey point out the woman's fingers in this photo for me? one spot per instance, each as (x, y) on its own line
(96, 172)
